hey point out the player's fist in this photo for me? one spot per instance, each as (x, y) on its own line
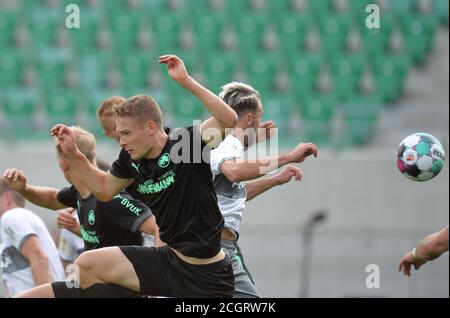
(303, 151)
(288, 173)
(16, 179)
(65, 140)
(66, 219)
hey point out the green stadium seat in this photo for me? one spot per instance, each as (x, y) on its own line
(115, 6)
(333, 30)
(317, 112)
(166, 30)
(8, 22)
(235, 8)
(279, 108)
(360, 116)
(61, 107)
(261, 70)
(401, 7)
(93, 98)
(249, 31)
(319, 7)
(441, 9)
(375, 41)
(346, 71)
(52, 66)
(208, 29)
(418, 34)
(219, 71)
(93, 68)
(124, 30)
(12, 63)
(135, 68)
(358, 7)
(291, 28)
(390, 73)
(19, 108)
(303, 69)
(85, 39)
(279, 8)
(185, 108)
(43, 25)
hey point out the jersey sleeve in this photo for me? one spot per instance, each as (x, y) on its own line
(227, 150)
(16, 230)
(68, 197)
(125, 211)
(120, 168)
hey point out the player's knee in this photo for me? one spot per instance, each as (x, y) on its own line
(87, 269)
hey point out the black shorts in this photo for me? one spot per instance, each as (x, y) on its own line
(162, 273)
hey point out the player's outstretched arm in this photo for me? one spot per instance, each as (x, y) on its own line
(223, 115)
(238, 170)
(257, 187)
(429, 249)
(104, 185)
(45, 197)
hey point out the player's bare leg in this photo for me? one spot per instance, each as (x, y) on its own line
(42, 291)
(106, 265)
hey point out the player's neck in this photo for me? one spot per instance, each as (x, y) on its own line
(157, 148)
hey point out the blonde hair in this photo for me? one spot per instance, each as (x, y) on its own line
(107, 106)
(85, 142)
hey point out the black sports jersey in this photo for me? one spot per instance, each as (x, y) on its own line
(180, 193)
(111, 223)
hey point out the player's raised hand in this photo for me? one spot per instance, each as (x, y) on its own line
(288, 173)
(65, 139)
(66, 219)
(408, 260)
(16, 179)
(175, 67)
(303, 151)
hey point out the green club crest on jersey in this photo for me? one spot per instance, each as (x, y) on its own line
(164, 160)
(91, 217)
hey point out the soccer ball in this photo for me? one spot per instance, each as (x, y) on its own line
(420, 157)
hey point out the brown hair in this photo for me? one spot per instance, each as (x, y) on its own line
(107, 106)
(142, 108)
(18, 199)
(85, 142)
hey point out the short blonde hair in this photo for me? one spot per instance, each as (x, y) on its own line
(85, 142)
(107, 106)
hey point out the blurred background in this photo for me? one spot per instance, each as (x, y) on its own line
(324, 78)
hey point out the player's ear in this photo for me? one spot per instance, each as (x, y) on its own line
(249, 119)
(151, 125)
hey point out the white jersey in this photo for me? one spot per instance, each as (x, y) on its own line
(18, 225)
(70, 246)
(231, 196)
